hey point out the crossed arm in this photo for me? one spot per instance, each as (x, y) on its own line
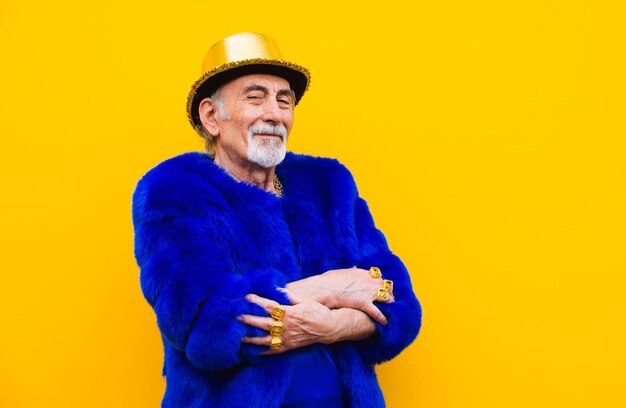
(327, 308)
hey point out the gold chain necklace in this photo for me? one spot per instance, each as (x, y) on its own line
(278, 186)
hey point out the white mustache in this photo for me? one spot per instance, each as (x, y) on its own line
(267, 129)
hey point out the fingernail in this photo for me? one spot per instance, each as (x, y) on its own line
(249, 298)
(240, 318)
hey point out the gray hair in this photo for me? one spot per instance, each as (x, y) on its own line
(209, 139)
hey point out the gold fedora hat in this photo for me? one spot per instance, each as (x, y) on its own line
(242, 54)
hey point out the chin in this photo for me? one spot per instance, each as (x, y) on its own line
(267, 156)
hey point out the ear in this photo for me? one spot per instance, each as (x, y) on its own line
(207, 112)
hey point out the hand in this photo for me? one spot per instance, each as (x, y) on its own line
(303, 324)
(341, 288)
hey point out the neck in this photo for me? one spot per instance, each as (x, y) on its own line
(243, 170)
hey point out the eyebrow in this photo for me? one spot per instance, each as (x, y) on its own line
(288, 92)
(257, 87)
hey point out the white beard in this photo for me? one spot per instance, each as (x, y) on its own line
(267, 152)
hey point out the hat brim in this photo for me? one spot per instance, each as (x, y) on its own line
(297, 76)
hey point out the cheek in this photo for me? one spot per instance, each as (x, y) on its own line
(289, 121)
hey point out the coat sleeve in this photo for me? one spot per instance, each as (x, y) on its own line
(404, 316)
(187, 278)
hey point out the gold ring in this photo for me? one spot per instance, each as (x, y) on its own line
(388, 284)
(382, 295)
(277, 328)
(278, 312)
(276, 343)
(375, 272)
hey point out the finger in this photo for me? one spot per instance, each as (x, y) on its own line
(263, 323)
(265, 303)
(375, 313)
(258, 341)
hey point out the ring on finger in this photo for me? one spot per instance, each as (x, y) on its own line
(375, 272)
(388, 284)
(277, 328)
(278, 312)
(382, 295)
(276, 343)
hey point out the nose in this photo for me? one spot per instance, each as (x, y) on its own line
(272, 112)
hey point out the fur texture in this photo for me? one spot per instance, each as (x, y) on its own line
(203, 241)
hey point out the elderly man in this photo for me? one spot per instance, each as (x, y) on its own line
(271, 285)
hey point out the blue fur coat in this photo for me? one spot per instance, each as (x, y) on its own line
(203, 241)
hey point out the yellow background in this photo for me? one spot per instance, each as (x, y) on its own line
(487, 136)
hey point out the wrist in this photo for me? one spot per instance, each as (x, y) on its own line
(336, 327)
(349, 324)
